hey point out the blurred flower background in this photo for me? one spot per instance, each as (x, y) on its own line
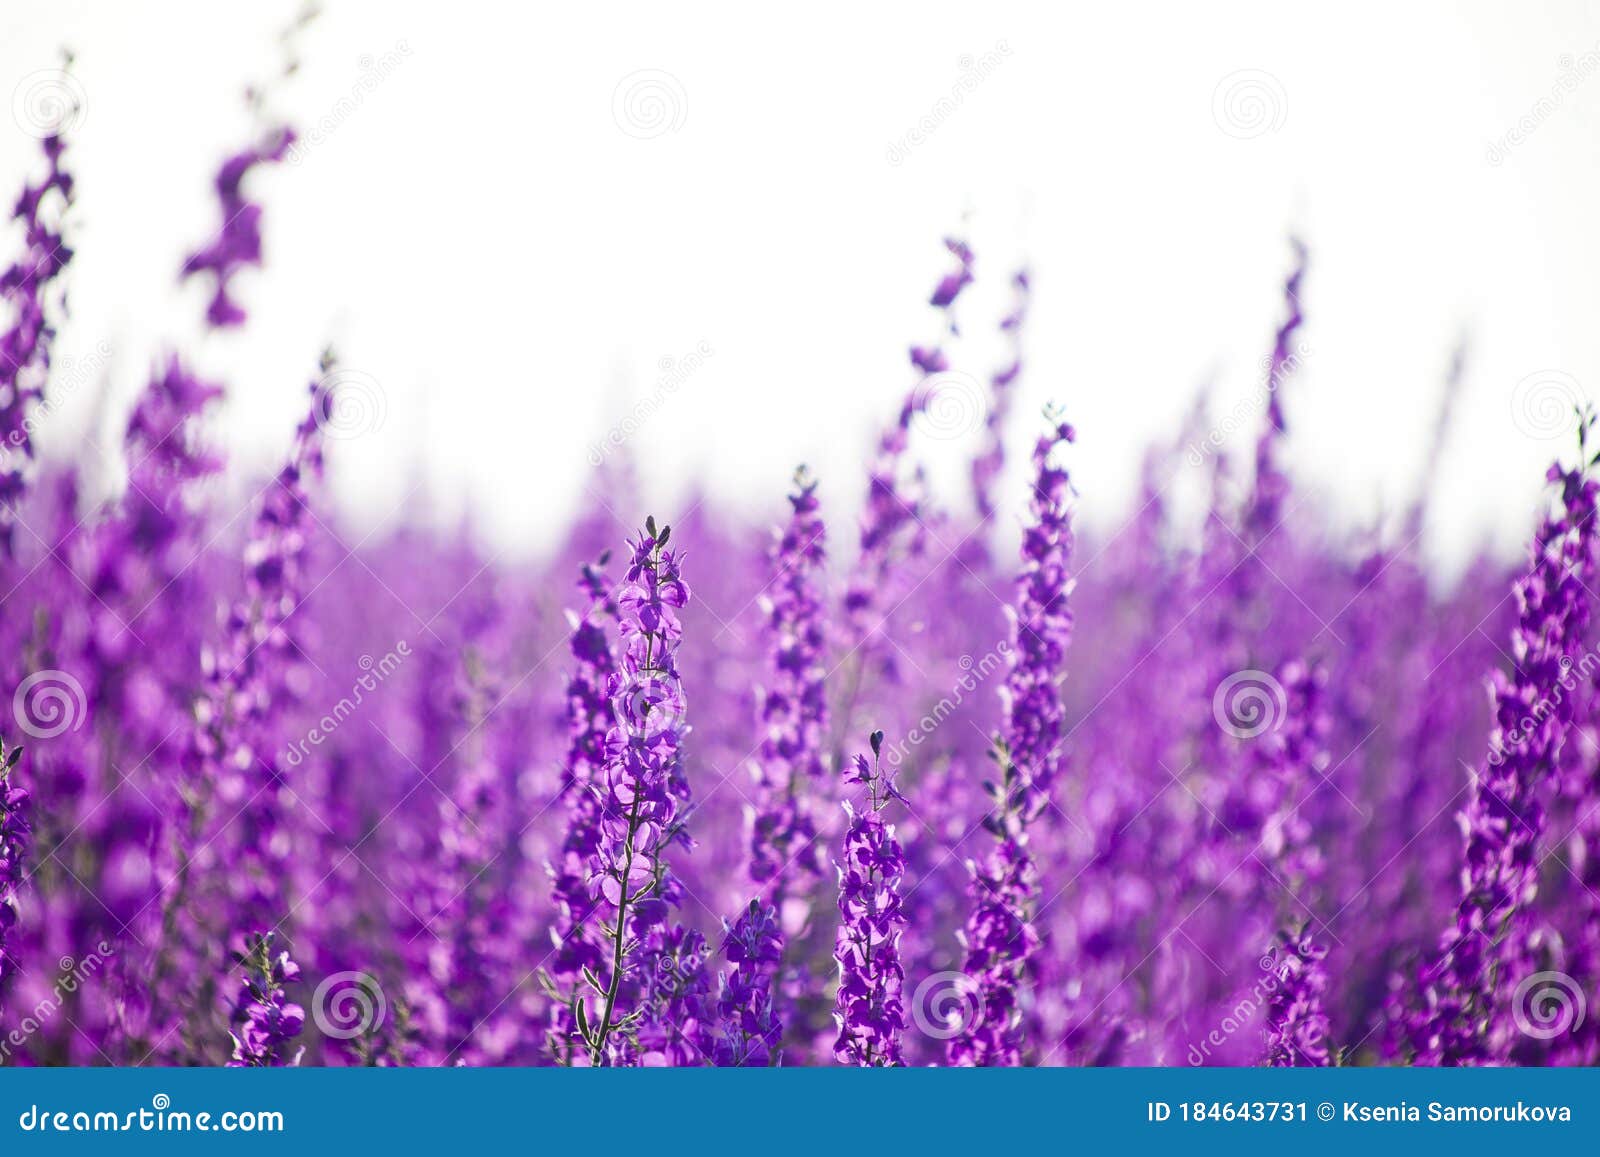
(531, 536)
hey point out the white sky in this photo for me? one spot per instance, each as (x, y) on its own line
(484, 242)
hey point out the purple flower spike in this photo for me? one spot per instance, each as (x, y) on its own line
(1000, 937)
(1465, 1021)
(869, 1007)
(640, 798)
(789, 768)
(267, 1021)
(25, 345)
(750, 1026)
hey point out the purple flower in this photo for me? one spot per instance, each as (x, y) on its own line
(577, 945)
(793, 711)
(750, 1030)
(25, 344)
(1464, 1021)
(640, 797)
(14, 846)
(1000, 937)
(869, 1008)
(237, 244)
(267, 1021)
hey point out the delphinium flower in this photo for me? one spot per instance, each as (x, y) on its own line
(467, 939)
(1000, 936)
(14, 845)
(237, 244)
(267, 1021)
(589, 719)
(1292, 756)
(869, 1008)
(25, 344)
(894, 503)
(789, 766)
(253, 677)
(642, 789)
(750, 1029)
(988, 464)
(231, 780)
(1463, 1021)
(1265, 509)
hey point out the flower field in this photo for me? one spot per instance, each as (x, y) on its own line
(867, 787)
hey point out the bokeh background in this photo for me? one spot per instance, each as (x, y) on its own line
(510, 220)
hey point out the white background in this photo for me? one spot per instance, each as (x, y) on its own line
(483, 238)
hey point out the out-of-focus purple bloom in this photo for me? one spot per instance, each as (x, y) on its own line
(237, 244)
(789, 768)
(1292, 758)
(25, 343)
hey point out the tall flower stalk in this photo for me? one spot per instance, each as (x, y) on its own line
(1464, 1021)
(576, 944)
(1000, 936)
(25, 343)
(870, 1007)
(793, 710)
(1291, 755)
(643, 783)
